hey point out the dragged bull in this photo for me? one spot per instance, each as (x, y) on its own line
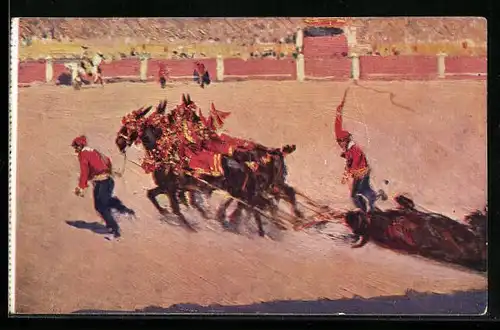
(430, 235)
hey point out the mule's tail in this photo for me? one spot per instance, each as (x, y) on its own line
(288, 149)
(285, 150)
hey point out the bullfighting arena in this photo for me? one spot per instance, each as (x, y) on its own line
(428, 140)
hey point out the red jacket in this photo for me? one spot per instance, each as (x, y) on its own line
(356, 163)
(162, 73)
(200, 68)
(92, 163)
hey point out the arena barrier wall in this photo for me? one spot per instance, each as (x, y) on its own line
(466, 67)
(398, 67)
(31, 71)
(179, 69)
(332, 68)
(328, 68)
(283, 69)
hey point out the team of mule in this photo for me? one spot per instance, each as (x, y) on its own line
(188, 157)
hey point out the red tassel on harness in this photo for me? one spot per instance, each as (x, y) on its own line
(218, 116)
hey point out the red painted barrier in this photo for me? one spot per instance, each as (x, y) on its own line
(398, 67)
(336, 67)
(327, 46)
(466, 65)
(180, 68)
(371, 67)
(59, 70)
(31, 71)
(264, 67)
(125, 67)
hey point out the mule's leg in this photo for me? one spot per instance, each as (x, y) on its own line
(235, 217)
(174, 202)
(258, 219)
(221, 210)
(292, 199)
(182, 197)
(195, 202)
(152, 193)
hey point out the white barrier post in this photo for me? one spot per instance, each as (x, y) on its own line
(441, 58)
(220, 68)
(300, 62)
(350, 33)
(300, 67)
(144, 68)
(299, 39)
(355, 71)
(49, 69)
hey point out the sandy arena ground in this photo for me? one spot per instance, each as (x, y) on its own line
(434, 147)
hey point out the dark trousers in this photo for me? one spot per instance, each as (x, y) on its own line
(104, 201)
(204, 80)
(163, 82)
(362, 186)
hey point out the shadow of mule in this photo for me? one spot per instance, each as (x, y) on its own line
(95, 227)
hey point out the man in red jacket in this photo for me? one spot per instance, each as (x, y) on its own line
(201, 75)
(97, 168)
(163, 75)
(357, 170)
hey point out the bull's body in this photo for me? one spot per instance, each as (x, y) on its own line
(428, 234)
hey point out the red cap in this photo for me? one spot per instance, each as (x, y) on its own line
(80, 141)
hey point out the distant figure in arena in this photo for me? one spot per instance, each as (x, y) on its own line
(91, 67)
(96, 68)
(163, 75)
(201, 75)
(357, 170)
(96, 167)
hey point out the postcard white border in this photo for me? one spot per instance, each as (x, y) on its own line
(14, 54)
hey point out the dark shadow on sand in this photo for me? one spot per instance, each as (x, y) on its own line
(95, 227)
(64, 79)
(464, 302)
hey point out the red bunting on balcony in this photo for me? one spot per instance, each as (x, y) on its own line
(325, 22)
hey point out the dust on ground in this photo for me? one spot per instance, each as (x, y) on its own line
(436, 151)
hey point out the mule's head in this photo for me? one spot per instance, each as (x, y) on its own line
(162, 107)
(130, 130)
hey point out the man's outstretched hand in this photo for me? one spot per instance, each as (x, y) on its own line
(79, 192)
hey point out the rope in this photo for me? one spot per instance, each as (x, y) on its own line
(311, 201)
(363, 119)
(232, 197)
(391, 96)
